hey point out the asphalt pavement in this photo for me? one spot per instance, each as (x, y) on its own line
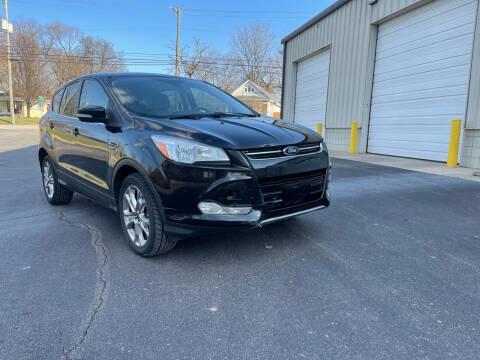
(390, 271)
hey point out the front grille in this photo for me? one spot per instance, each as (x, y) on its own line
(277, 151)
(284, 192)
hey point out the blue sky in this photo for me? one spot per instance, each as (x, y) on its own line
(153, 26)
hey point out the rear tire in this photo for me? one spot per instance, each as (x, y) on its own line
(55, 193)
(141, 218)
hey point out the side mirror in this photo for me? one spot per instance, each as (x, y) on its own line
(92, 114)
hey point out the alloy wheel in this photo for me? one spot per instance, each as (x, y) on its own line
(135, 216)
(48, 179)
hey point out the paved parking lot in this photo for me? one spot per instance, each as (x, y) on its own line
(390, 271)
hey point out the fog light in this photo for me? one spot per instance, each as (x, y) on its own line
(212, 208)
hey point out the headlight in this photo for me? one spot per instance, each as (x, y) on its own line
(188, 151)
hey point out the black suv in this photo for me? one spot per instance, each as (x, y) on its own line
(177, 158)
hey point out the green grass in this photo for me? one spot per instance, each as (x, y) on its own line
(5, 120)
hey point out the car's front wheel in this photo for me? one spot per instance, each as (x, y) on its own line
(55, 192)
(140, 217)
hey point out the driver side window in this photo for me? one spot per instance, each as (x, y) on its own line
(93, 94)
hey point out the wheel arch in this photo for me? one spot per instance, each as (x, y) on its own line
(123, 169)
(41, 155)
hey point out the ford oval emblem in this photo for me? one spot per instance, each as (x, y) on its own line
(291, 150)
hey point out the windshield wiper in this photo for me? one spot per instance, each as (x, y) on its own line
(222, 114)
(215, 115)
(188, 116)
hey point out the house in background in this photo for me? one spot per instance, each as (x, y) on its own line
(258, 99)
(5, 104)
(38, 109)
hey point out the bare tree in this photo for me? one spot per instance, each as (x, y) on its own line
(252, 48)
(99, 56)
(64, 59)
(75, 54)
(223, 71)
(194, 60)
(45, 57)
(29, 52)
(272, 79)
(202, 62)
(251, 57)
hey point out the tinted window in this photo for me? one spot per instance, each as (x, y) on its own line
(93, 94)
(57, 98)
(204, 100)
(175, 99)
(70, 100)
(164, 97)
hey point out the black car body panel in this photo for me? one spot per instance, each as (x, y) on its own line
(92, 158)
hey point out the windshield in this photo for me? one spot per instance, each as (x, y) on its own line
(165, 97)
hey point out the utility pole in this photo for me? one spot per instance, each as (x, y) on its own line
(177, 11)
(8, 28)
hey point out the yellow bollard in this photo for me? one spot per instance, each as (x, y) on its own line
(353, 138)
(319, 128)
(454, 143)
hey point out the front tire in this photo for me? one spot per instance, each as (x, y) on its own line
(55, 193)
(141, 218)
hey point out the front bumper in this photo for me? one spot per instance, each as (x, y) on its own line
(288, 216)
(277, 188)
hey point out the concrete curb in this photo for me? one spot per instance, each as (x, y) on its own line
(425, 166)
(16, 127)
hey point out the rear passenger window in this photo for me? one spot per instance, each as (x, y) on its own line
(70, 100)
(57, 98)
(93, 94)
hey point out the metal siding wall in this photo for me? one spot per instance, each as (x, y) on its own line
(473, 109)
(348, 31)
(384, 8)
(422, 71)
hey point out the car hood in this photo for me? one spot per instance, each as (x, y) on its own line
(233, 132)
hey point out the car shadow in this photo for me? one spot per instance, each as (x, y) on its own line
(274, 237)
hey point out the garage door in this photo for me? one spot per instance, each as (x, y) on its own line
(311, 90)
(421, 79)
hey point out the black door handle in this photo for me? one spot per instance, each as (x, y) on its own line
(51, 125)
(76, 132)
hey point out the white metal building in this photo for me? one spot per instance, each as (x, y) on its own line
(404, 69)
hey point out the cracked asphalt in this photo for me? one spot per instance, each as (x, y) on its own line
(390, 271)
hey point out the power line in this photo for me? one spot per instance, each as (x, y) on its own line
(249, 11)
(119, 53)
(114, 7)
(128, 61)
(250, 17)
(138, 62)
(78, 5)
(157, 29)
